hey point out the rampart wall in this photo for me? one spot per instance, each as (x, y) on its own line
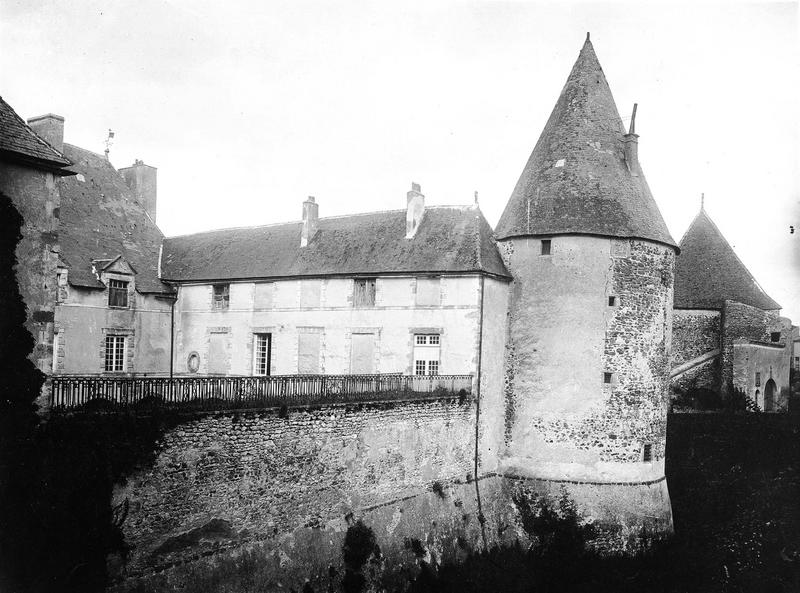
(290, 483)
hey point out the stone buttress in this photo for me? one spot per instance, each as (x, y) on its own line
(590, 316)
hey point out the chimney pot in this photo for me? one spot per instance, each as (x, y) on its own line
(415, 209)
(310, 221)
(49, 127)
(631, 145)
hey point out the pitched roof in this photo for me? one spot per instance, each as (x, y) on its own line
(100, 219)
(449, 239)
(19, 142)
(576, 180)
(708, 271)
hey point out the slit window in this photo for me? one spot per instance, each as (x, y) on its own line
(546, 245)
(647, 452)
(222, 296)
(117, 293)
(758, 379)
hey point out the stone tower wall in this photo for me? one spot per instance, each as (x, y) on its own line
(567, 422)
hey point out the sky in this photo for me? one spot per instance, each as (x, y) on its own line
(248, 107)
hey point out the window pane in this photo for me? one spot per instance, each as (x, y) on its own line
(222, 296)
(117, 293)
(262, 353)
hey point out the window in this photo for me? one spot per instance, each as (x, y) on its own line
(261, 354)
(309, 346)
(546, 244)
(775, 336)
(647, 452)
(364, 292)
(115, 354)
(263, 295)
(310, 293)
(608, 378)
(429, 291)
(426, 354)
(117, 293)
(362, 353)
(222, 296)
(758, 379)
(612, 301)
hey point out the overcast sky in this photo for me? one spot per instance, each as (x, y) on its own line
(246, 108)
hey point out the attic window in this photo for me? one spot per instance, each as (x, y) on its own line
(545, 246)
(222, 296)
(364, 292)
(117, 293)
(647, 452)
(775, 337)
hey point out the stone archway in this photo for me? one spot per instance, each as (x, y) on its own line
(769, 396)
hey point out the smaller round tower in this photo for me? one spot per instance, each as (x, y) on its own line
(590, 319)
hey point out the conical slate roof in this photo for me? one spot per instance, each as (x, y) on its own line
(708, 271)
(576, 180)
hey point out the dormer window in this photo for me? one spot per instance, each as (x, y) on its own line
(118, 293)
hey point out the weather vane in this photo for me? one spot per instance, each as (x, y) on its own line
(109, 142)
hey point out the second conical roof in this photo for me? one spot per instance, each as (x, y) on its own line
(576, 180)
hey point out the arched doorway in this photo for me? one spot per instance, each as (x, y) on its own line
(769, 396)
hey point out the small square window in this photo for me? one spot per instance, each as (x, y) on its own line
(546, 246)
(222, 296)
(612, 301)
(607, 377)
(775, 336)
(117, 293)
(647, 452)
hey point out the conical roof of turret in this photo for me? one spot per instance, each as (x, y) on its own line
(577, 180)
(708, 272)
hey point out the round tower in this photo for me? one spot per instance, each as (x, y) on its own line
(590, 320)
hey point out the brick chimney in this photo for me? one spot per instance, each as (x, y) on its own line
(415, 209)
(631, 145)
(49, 127)
(142, 179)
(310, 221)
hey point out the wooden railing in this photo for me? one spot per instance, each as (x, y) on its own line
(208, 393)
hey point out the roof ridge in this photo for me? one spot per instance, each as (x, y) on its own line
(463, 207)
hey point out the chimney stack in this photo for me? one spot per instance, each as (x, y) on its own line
(415, 209)
(141, 179)
(49, 127)
(310, 221)
(631, 145)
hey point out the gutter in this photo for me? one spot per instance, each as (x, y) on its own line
(481, 518)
